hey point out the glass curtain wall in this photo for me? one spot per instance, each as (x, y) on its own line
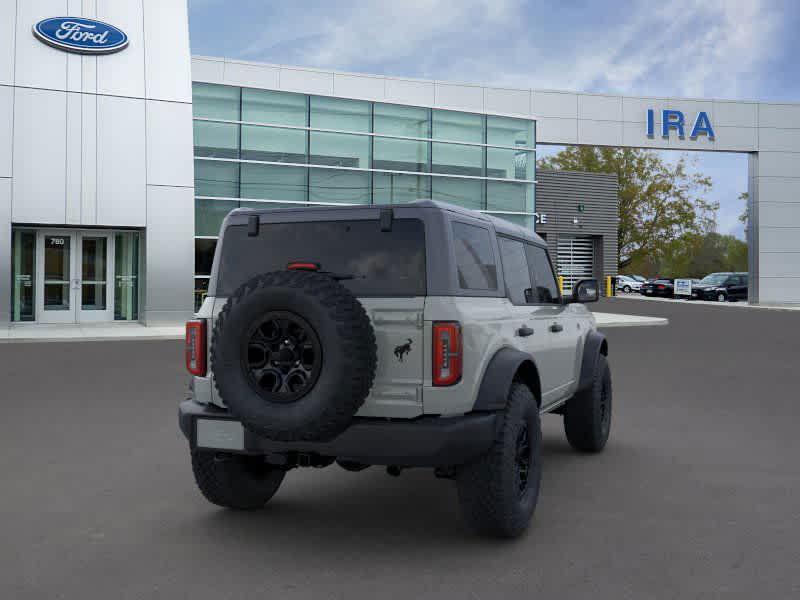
(275, 149)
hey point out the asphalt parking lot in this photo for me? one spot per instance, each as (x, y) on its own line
(697, 494)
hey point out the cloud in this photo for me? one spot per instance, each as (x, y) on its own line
(687, 47)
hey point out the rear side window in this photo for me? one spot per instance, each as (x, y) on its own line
(477, 269)
(545, 287)
(515, 270)
(382, 263)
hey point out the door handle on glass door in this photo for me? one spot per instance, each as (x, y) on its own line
(556, 327)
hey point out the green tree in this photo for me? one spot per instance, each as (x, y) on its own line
(659, 202)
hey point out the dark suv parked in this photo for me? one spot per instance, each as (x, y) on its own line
(721, 287)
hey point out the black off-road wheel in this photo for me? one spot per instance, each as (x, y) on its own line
(498, 492)
(293, 355)
(587, 415)
(235, 481)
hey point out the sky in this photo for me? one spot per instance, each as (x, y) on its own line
(732, 49)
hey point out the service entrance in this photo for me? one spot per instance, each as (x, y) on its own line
(575, 259)
(74, 270)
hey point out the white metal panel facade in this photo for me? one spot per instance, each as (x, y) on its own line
(73, 131)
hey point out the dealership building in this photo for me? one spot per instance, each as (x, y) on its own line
(120, 154)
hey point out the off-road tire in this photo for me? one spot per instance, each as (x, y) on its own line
(489, 489)
(348, 355)
(587, 415)
(235, 481)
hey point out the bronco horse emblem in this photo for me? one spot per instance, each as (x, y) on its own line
(402, 350)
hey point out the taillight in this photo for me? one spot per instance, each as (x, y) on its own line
(447, 363)
(661, 287)
(196, 347)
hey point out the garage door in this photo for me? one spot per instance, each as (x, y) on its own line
(575, 259)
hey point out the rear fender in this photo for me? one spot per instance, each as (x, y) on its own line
(506, 366)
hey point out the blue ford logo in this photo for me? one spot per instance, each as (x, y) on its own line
(76, 34)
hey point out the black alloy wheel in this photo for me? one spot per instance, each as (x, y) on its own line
(282, 357)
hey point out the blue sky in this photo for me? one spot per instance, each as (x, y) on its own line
(740, 49)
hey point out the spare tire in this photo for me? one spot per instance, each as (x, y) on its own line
(293, 355)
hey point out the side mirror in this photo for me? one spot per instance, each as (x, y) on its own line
(585, 290)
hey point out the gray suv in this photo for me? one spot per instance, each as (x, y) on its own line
(417, 335)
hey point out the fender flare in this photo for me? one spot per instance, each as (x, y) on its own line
(594, 346)
(500, 373)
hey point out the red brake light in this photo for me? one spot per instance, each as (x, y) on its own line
(196, 347)
(659, 286)
(447, 356)
(303, 266)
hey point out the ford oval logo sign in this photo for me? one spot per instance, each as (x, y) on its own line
(84, 36)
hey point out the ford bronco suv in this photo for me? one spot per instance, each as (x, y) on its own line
(416, 335)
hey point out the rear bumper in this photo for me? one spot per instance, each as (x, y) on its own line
(422, 442)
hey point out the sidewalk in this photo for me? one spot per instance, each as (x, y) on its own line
(22, 332)
(88, 332)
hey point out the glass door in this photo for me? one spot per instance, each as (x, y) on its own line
(56, 277)
(94, 290)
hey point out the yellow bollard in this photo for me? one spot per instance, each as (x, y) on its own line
(608, 286)
(561, 284)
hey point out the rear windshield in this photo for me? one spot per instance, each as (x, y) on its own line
(383, 263)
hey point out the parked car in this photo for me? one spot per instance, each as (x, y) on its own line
(722, 287)
(663, 288)
(628, 284)
(639, 278)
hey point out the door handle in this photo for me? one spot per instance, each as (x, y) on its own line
(524, 331)
(556, 327)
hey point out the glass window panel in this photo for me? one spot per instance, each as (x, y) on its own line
(261, 205)
(281, 108)
(336, 113)
(509, 164)
(475, 261)
(339, 150)
(392, 188)
(502, 195)
(213, 178)
(274, 144)
(93, 273)
(208, 215)
(507, 131)
(23, 259)
(525, 221)
(545, 287)
(200, 292)
(215, 101)
(400, 155)
(126, 276)
(457, 126)
(338, 185)
(56, 272)
(457, 159)
(515, 270)
(220, 140)
(463, 192)
(203, 256)
(274, 182)
(407, 121)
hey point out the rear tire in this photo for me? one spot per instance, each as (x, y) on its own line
(235, 481)
(587, 415)
(498, 492)
(722, 297)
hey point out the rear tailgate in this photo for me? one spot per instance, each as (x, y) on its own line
(399, 334)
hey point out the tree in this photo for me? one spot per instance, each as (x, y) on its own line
(659, 202)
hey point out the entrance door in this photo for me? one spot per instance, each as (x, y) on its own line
(73, 272)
